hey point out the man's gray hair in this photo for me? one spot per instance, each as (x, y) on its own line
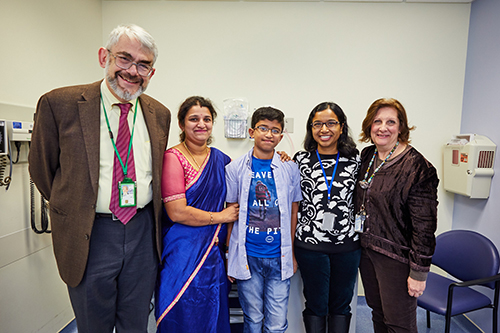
(133, 32)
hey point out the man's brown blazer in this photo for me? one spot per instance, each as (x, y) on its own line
(64, 165)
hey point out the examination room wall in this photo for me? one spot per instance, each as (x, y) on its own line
(45, 44)
(292, 55)
(481, 115)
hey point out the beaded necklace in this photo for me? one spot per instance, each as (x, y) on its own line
(365, 183)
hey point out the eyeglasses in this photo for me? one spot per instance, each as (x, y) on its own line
(264, 130)
(126, 63)
(329, 124)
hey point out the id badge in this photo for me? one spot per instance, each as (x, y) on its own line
(359, 222)
(128, 194)
(328, 221)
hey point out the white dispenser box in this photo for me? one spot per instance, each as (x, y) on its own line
(468, 165)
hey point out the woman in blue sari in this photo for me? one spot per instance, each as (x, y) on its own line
(192, 289)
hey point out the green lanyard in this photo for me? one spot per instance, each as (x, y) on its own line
(124, 167)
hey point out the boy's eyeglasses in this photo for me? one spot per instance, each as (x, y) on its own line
(264, 130)
(329, 124)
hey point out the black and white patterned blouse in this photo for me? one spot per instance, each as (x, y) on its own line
(310, 232)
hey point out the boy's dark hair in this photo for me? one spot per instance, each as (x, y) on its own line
(268, 113)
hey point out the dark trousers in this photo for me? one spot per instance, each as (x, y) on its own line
(386, 291)
(328, 279)
(118, 283)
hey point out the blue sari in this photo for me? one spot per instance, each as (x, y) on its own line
(192, 288)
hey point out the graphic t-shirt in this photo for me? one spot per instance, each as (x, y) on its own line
(263, 219)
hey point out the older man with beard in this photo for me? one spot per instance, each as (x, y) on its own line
(89, 143)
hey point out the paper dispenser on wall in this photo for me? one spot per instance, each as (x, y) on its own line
(468, 165)
(235, 118)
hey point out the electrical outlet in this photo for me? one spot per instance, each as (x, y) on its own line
(289, 125)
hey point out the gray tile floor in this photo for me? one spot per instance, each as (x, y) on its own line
(459, 324)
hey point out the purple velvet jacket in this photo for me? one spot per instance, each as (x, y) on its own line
(401, 205)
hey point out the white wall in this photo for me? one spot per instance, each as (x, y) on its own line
(481, 115)
(294, 55)
(45, 44)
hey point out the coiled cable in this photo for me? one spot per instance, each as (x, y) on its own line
(45, 216)
(3, 164)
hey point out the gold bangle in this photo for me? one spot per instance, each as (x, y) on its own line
(211, 218)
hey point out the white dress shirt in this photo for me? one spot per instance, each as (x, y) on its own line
(141, 148)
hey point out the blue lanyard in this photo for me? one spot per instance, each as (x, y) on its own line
(329, 186)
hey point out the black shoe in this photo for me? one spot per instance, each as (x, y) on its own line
(339, 323)
(314, 324)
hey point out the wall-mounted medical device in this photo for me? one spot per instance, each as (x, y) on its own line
(16, 132)
(4, 148)
(19, 130)
(468, 165)
(4, 155)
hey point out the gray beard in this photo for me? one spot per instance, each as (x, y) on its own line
(125, 95)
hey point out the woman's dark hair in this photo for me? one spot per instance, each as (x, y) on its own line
(345, 144)
(187, 105)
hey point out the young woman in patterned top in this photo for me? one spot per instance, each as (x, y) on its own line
(326, 247)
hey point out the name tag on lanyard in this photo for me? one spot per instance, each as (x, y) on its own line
(359, 223)
(128, 193)
(328, 221)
